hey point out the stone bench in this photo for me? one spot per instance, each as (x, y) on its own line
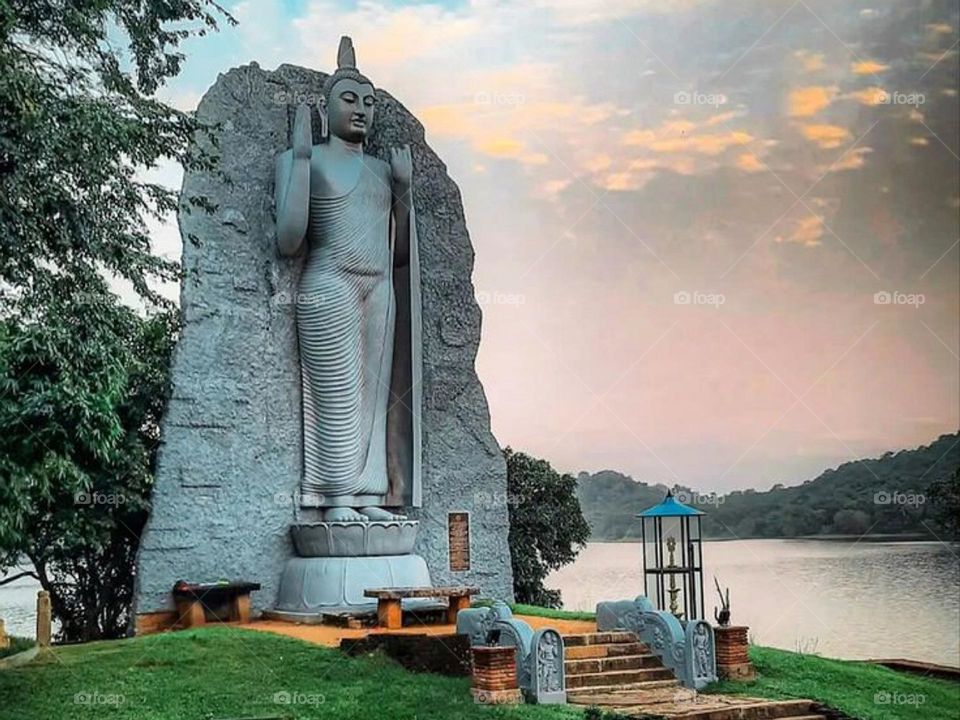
(389, 601)
(194, 599)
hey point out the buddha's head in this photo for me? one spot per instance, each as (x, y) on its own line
(349, 97)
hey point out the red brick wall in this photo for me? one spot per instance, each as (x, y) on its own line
(494, 668)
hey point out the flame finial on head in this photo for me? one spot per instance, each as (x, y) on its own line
(346, 67)
(346, 56)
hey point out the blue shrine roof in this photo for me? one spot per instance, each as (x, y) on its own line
(670, 507)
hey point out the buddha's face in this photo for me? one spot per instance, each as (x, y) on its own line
(350, 110)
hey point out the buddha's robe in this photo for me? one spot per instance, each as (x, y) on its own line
(358, 322)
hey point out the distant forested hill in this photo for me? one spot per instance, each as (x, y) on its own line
(881, 495)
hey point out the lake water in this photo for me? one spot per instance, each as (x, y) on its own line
(18, 605)
(844, 599)
(851, 600)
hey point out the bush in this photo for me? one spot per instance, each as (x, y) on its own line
(81, 395)
(547, 528)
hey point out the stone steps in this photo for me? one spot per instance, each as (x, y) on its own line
(618, 677)
(614, 671)
(585, 652)
(750, 710)
(611, 662)
(600, 695)
(598, 638)
(677, 703)
(617, 662)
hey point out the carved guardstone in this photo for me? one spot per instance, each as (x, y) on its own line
(548, 677)
(540, 655)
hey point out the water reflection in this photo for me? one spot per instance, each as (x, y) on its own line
(838, 598)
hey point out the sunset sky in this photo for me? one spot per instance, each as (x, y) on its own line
(683, 212)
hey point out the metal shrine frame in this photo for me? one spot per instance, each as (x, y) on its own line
(672, 536)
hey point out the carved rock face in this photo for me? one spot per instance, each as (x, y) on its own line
(232, 452)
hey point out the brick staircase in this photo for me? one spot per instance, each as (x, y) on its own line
(597, 663)
(615, 671)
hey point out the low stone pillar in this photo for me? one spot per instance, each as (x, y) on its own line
(44, 619)
(495, 675)
(4, 640)
(733, 656)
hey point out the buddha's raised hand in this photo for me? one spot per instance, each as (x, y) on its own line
(302, 133)
(401, 167)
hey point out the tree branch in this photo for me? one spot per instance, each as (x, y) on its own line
(17, 577)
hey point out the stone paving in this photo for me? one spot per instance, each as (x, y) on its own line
(680, 703)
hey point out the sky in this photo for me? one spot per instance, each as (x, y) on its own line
(716, 241)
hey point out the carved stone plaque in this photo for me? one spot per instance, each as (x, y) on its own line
(458, 529)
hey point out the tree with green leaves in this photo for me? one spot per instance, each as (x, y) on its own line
(547, 528)
(83, 377)
(80, 414)
(944, 495)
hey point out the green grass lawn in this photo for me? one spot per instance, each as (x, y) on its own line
(537, 611)
(859, 689)
(221, 673)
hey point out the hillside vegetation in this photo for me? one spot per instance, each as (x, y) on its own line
(889, 494)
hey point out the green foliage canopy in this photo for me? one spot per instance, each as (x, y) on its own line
(547, 528)
(81, 396)
(78, 124)
(82, 376)
(945, 495)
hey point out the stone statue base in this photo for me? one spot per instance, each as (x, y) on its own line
(354, 539)
(315, 585)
